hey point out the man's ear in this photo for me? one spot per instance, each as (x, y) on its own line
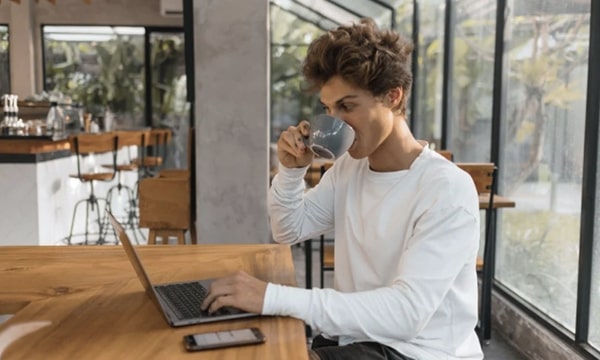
(394, 97)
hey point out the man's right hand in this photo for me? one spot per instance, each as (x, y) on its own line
(291, 149)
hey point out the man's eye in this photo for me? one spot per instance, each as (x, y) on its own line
(345, 107)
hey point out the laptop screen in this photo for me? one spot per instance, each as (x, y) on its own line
(133, 258)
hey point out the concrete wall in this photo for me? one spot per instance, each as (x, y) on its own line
(25, 21)
(232, 120)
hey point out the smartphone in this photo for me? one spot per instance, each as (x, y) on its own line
(221, 339)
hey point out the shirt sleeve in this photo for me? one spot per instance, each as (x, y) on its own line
(443, 243)
(297, 215)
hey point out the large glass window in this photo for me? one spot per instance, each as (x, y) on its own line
(542, 154)
(594, 334)
(4, 61)
(428, 125)
(290, 37)
(473, 76)
(99, 67)
(168, 92)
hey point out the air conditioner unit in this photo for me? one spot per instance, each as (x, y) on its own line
(171, 7)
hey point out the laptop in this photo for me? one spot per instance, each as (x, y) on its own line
(180, 301)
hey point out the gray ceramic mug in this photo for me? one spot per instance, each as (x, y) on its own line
(329, 137)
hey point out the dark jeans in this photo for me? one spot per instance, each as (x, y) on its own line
(328, 349)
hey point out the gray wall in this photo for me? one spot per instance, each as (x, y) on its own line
(232, 120)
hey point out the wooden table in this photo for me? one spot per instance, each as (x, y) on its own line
(98, 308)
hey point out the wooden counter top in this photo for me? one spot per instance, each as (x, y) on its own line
(32, 146)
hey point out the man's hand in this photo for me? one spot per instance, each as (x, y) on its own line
(240, 291)
(291, 149)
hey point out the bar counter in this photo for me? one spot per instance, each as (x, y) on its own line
(38, 196)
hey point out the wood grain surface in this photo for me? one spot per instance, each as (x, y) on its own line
(98, 308)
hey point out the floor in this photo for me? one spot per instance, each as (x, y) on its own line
(497, 349)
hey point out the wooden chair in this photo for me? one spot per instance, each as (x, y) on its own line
(483, 175)
(154, 151)
(167, 202)
(326, 248)
(84, 145)
(447, 154)
(165, 208)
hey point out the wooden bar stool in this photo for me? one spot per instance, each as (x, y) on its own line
(86, 145)
(154, 151)
(127, 139)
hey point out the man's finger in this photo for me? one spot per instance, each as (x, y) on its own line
(221, 301)
(216, 290)
(304, 127)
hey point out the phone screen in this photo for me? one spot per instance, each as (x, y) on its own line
(220, 339)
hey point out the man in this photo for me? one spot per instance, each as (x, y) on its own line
(406, 220)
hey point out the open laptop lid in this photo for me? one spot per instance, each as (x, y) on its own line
(134, 259)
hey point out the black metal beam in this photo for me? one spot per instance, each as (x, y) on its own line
(500, 83)
(389, 7)
(447, 74)
(345, 8)
(302, 17)
(498, 106)
(188, 38)
(414, 111)
(588, 190)
(299, 3)
(147, 79)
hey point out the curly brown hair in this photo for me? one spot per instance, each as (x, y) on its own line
(372, 59)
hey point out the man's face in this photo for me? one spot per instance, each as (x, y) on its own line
(370, 117)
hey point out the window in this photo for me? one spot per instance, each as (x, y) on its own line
(429, 82)
(169, 92)
(4, 61)
(473, 72)
(594, 334)
(542, 154)
(290, 37)
(99, 67)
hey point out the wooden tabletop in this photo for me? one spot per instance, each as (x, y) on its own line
(98, 308)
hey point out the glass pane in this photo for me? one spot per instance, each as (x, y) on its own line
(99, 67)
(4, 63)
(404, 19)
(329, 10)
(169, 100)
(368, 8)
(595, 300)
(542, 154)
(473, 76)
(290, 38)
(429, 82)
(304, 13)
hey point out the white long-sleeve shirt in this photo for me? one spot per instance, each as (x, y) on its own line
(405, 249)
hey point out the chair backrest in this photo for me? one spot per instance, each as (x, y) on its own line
(130, 138)
(85, 144)
(316, 171)
(482, 174)
(165, 203)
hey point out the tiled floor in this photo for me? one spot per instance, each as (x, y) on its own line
(498, 349)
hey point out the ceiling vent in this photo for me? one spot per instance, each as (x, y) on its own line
(171, 7)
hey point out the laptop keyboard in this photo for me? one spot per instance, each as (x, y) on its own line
(184, 298)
